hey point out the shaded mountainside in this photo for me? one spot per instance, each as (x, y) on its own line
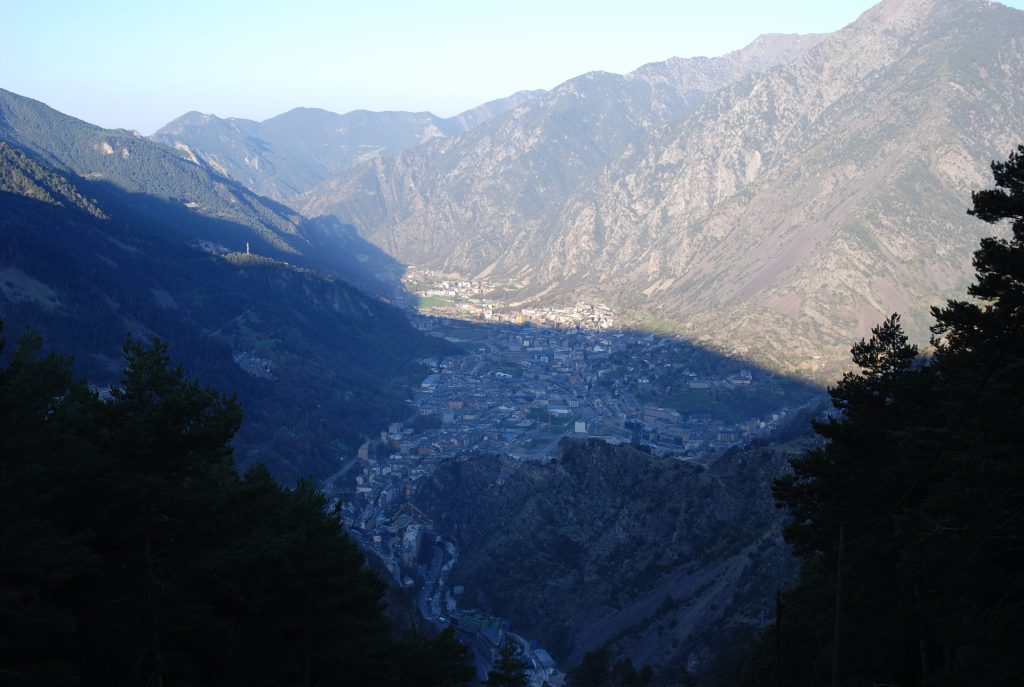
(659, 558)
(774, 215)
(135, 553)
(317, 364)
(492, 194)
(189, 201)
(293, 152)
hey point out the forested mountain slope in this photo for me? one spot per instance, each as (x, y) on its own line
(317, 363)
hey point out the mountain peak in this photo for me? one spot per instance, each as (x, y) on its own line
(309, 115)
(192, 118)
(906, 15)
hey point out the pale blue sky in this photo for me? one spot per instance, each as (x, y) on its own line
(139, 64)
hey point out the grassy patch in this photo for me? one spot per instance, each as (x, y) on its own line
(436, 302)
(266, 344)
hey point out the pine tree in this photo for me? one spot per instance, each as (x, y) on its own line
(509, 670)
(44, 413)
(134, 553)
(443, 661)
(923, 474)
(971, 527)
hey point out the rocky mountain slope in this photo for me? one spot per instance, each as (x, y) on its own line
(97, 246)
(777, 217)
(493, 194)
(659, 559)
(292, 152)
(795, 211)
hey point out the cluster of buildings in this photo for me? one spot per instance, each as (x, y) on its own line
(523, 388)
(385, 522)
(254, 365)
(473, 300)
(666, 429)
(485, 635)
(523, 385)
(594, 316)
(429, 283)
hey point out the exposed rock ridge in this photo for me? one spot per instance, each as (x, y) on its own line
(494, 193)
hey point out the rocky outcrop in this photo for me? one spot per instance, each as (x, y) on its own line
(796, 210)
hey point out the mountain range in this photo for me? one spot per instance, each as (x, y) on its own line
(773, 203)
(467, 203)
(293, 152)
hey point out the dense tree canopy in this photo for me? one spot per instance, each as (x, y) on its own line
(597, 669)
(911, 518)
(134, 553)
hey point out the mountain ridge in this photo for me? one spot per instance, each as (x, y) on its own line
(512, 171)
(734, 200)
(291, 152)
(778, 219)
(89, 259)
(658, 559)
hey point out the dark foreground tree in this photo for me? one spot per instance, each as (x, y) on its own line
(971, 527)
(911, 519)
(443, 661)
(596, 669)
(44, 414)
(134, 554)
(508, 670)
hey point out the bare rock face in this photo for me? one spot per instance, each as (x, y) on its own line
(794, 211)
(774, 203)
(493, 194)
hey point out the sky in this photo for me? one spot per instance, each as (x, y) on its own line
(140, 64)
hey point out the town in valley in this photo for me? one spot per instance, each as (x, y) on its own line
(532, 377)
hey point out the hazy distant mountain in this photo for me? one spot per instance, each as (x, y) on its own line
(778, 217)
(104, 234)
(494, 108)
(293, 152)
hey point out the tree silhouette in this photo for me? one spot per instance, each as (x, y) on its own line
(509, 670)
(923, 473)
(135, 554)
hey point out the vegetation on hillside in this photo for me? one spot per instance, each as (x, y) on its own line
(135, 554)
(656, 559)
(911, 520)
(86, 273)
